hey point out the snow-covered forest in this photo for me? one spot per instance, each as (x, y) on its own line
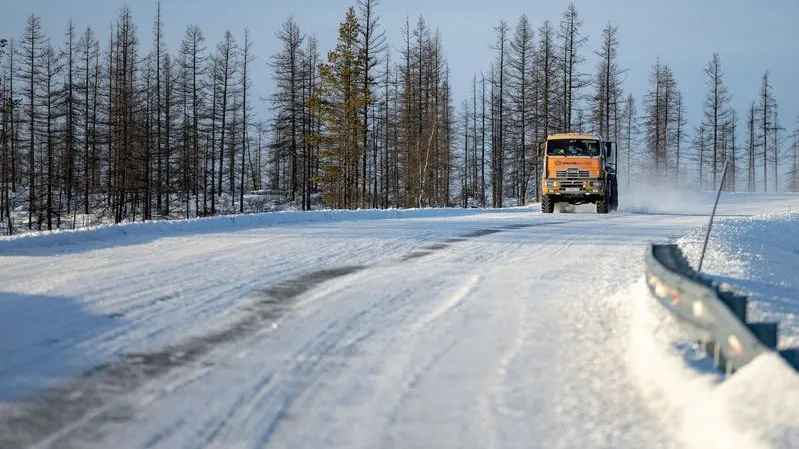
(96, 128)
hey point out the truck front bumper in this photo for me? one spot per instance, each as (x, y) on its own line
(574, 187)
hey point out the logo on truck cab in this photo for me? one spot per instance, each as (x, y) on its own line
(575, 162)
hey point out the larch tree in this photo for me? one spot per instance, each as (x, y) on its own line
(287, 101)
(88, 54)
(573, 81)
(751, 120)
(340, 99)
(679, 135)
(716, 110)
(499, 123)
(310, 165)
(608, 85)
(225, 65)
(732, 157)
(660, 116)
(372, 43)
(30, 53)
(767, 111)
(51, 69)
(125, 120)
(193, 65)
(629, 129)
(68, 103)
(521, 81)
(6, 136)
(246, 110)
(170, 102)
(12, 106)
(548, 80)
(793, 173)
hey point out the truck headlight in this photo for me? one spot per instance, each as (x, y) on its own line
(595, 184)
(550, 183)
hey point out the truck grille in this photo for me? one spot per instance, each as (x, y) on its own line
(572, 173)
(564, 184)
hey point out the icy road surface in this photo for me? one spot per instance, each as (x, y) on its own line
(450, 329)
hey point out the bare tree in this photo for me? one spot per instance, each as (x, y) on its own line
(287, 98)
(68, 103)
(193, 61)
(372, 42)
(482, 140)
(6, 135)
(679, 137)
(51, 69)
(246, 83)
(498, 107)
(88, 51)
(30, 51)
(224, 72)
(732, 126)
(751, 119)
(767, 108)
(125, 121)
(660, 119)
(571, 41)
(630, 128)
(793, 174)
(547, 64)
(608, 84)
(170, 102)
(716, 110)
(521, 80)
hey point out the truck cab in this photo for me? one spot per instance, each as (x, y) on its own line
(578, 169)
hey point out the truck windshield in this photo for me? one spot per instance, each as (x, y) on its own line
(573, 147)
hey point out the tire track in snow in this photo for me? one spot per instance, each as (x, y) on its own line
(319, 358)
(85, 400)
(447, 305)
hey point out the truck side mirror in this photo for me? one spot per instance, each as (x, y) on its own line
(540, 148)
(608, 149)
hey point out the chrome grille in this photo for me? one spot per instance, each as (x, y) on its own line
(572, 173)
(564, 184)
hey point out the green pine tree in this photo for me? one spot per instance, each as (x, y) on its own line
(338, 102)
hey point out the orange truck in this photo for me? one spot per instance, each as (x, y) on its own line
(578, 169)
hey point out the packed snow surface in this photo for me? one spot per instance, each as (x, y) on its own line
(389, 329)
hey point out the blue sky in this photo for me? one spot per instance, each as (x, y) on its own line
(749, 36)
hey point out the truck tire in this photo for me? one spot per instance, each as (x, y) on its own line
(602, 206)
(547, 205)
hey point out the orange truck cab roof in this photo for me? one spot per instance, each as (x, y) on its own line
(563, 136)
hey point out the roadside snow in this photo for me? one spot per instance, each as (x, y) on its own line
(757, 407)
(757, 256)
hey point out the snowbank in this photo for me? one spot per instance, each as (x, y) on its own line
(758, 256)
(757, 407)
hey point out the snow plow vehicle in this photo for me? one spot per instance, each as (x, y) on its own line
(578, 169)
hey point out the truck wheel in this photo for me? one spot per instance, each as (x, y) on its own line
(602, 206)
(547, 205)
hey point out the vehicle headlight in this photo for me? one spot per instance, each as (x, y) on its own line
(551, 183)
(595, 184)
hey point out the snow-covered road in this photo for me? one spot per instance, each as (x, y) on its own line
(474, 329)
